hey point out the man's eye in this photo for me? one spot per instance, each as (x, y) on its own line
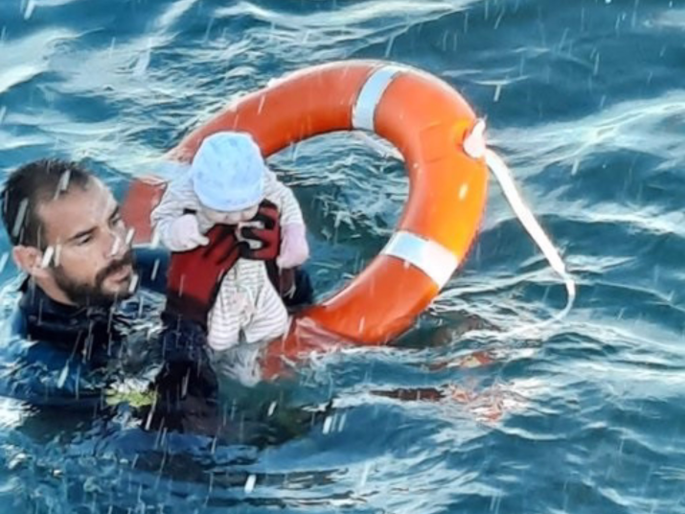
(84, 240)
(116, 220)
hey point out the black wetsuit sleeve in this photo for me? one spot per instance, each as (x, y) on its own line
(152, 265)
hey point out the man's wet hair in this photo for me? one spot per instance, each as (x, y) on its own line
(32, 185)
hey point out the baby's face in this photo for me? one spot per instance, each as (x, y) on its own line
(231, 217)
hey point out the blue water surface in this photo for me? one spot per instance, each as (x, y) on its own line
(583, 98)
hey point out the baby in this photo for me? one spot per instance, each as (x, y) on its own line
(225, 184)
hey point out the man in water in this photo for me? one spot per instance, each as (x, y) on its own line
(84, 334)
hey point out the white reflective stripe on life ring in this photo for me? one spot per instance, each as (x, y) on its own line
(370, 96)
(432, 258)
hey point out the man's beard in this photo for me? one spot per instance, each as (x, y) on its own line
(83, 294)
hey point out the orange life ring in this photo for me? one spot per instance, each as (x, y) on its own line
(427, 120)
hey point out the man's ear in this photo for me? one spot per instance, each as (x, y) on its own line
(30, 259)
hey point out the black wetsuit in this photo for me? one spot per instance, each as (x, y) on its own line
(92, 359)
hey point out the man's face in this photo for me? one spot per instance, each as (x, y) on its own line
(92, 262)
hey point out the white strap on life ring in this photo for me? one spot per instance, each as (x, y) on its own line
(474, 146)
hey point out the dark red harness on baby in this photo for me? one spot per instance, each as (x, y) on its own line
(195, 276)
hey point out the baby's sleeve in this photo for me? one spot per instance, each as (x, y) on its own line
(284, 198)
(177, 197)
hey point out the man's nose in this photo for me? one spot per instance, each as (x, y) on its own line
(118, 245)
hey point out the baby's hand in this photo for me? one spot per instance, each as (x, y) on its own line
(294, 247)
(184, 234)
